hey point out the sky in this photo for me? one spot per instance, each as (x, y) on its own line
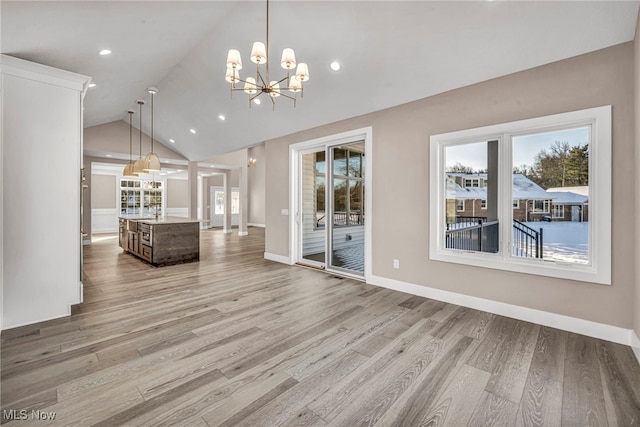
(524, 150)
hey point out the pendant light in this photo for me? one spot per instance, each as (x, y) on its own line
(138, 166)
(152, 162)
(128, 169)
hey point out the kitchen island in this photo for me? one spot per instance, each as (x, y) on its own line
(163, 241)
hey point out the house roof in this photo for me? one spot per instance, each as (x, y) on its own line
(581, 189)
(567, 197)
(523, 188)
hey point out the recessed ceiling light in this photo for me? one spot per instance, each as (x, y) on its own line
(222, 117)
(172, 141)
(192, 131)
(335, 66)
(92, 85)
(104, 52)
(109, 155)
(257, 101)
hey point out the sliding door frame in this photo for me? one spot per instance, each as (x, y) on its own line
(295, 197)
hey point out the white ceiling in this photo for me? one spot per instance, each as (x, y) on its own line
(391, 53)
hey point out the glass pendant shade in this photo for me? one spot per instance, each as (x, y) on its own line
(152, 163)
(128, 171)
(233, 59)
(138, 167)
(275, 89)
(302, 72)
(250, 86)
(294, 85)
(232, 75)
(259, 53)
(288, 60)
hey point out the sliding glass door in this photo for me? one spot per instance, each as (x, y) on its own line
(331, 212)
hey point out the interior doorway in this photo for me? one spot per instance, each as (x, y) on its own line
(216, 213)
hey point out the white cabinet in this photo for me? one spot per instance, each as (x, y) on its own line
(41, 162)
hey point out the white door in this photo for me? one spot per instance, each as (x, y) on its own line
(575, 213)
(217, 206)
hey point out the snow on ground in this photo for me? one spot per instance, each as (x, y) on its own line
(564, 241)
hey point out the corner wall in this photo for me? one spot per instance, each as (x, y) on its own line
(401, 183)
(636, 92)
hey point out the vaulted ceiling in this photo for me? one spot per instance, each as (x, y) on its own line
(391, 52)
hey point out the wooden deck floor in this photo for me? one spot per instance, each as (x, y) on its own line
(236, 340)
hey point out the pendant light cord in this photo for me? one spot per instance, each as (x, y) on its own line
(140, 129)
(152, 122)
(130, 136)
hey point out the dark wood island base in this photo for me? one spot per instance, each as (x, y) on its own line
(165, 241)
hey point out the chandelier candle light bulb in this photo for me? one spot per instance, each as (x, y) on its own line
(256, 86)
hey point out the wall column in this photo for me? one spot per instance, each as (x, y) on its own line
(227, 202)
(192, 178)
(244, 200)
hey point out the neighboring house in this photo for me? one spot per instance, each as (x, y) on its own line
(569, 206)
(467, 197)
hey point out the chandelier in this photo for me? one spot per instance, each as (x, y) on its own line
(261, 83)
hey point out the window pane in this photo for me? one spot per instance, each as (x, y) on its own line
(551, 170)
(219, 203)
(340, 202)
(339, 161)
(355, 202)
(320, 162)
(320, 208)
(471, 208)
(355, 160)
(235, 202)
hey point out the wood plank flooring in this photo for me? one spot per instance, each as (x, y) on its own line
(236, 340)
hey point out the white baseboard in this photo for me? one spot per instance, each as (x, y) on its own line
(227, 231)
(243, 233)
(559, 321)
(278, 258)
(635, 345)
(251, 224)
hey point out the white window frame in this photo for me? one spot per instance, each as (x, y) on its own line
(554, 209)
(515, 205)
(460, 201)
(483, 204)
(545, 206)
(598, 270)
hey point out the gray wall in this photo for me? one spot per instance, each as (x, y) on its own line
(400, 158)
(103, 192)
(257, 174)
(177, 193)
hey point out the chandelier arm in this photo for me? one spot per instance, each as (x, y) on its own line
(280, 81)
(287, 96)
(260, 78)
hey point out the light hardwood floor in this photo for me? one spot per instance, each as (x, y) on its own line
(236, 340)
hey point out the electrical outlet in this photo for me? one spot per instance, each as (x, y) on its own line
(396, 263)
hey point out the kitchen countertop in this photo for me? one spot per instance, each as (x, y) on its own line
(161, 220)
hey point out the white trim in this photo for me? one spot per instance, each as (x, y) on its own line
(295, 150)
(559, 321)
(243, 233)
(45, 319)
(227, 231)
(253, 224)
(278, 258)
(599, 269)
(42, 73)
(635, 344)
